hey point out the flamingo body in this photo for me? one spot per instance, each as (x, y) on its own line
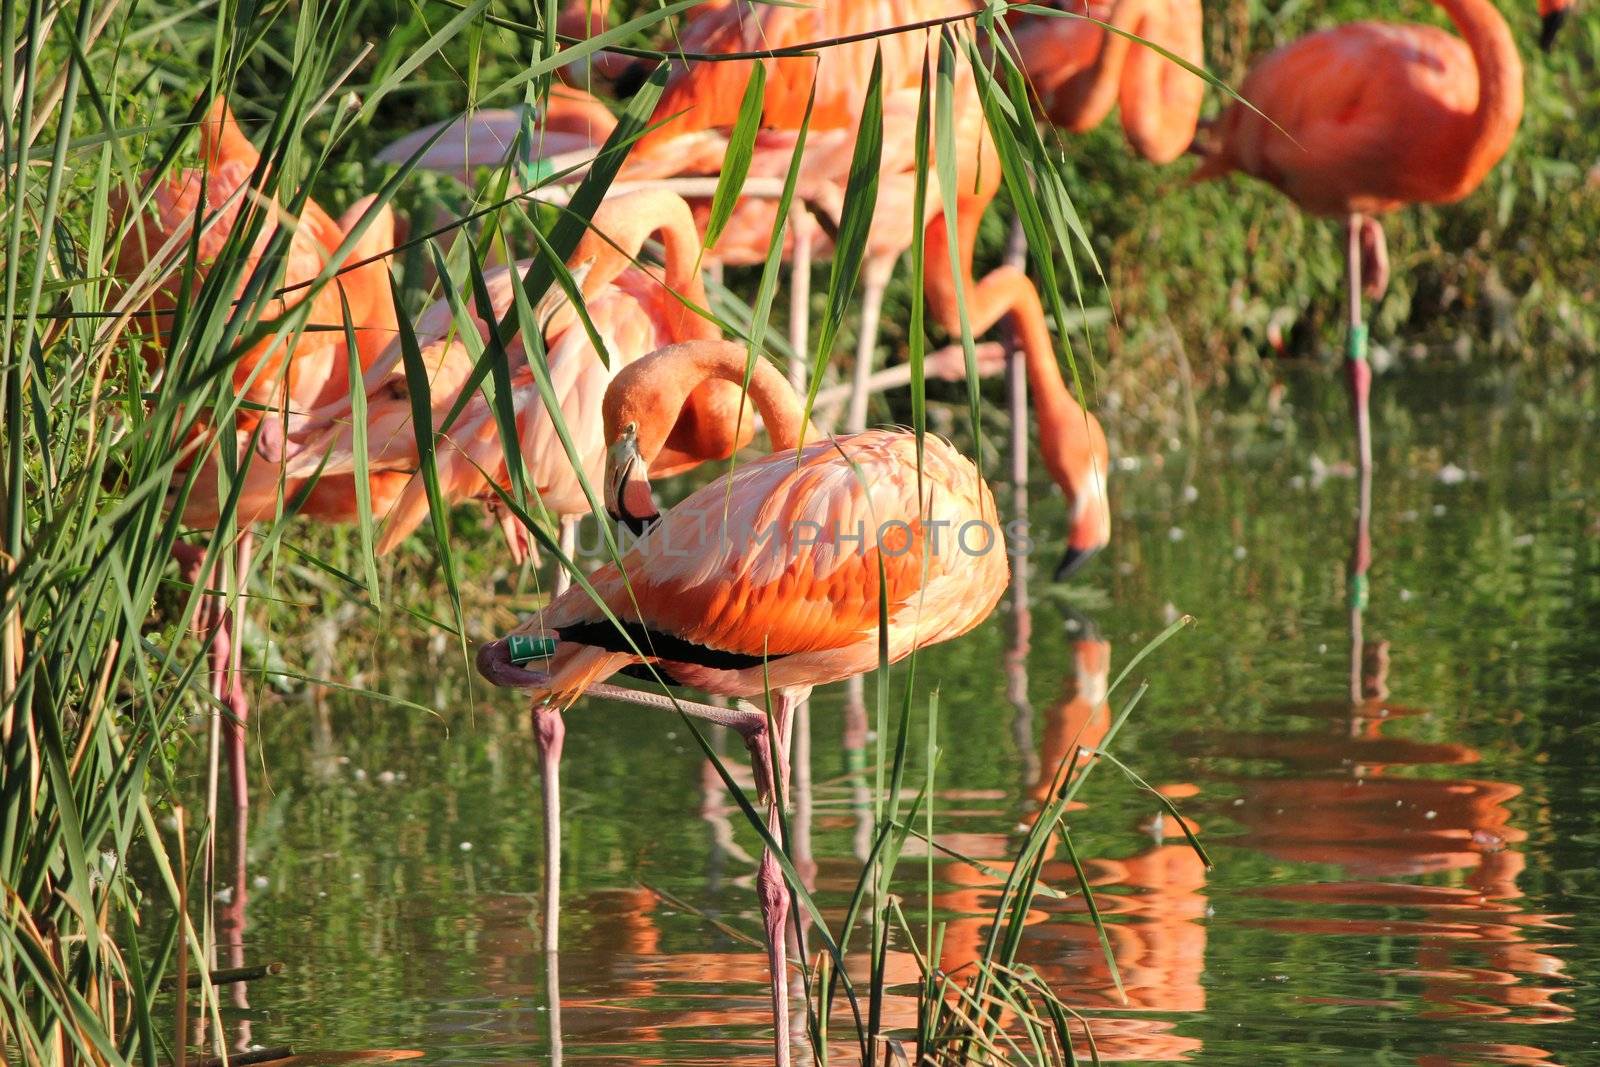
(803, 599)
(1374, 115)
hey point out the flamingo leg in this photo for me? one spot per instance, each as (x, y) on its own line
(569, 547)
(549, 731)
(1017, 382)
(236, 725)
(876, 273)
(771, 891)
(494, 663)
(1357, 368)
(800, 225)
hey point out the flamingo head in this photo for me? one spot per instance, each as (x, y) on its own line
(1088, 503)
(629, 498)
(638, 417)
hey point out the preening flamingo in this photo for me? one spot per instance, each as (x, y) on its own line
(1365, 118)
(701, 103)
(1080, 70)
(633, 311)
(303, 369)
(730, 592)
(1071, 439)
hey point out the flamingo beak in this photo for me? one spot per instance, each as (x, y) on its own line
(1549, 26)
(628, 496)
(1073, 560)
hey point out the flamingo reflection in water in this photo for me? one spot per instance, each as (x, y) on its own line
(1156, 930)
(1479, 954)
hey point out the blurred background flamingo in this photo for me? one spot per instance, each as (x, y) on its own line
(1361, 119)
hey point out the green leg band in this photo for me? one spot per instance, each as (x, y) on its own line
(1358, 592)
(524, 647)
(1356, 344)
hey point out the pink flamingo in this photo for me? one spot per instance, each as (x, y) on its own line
(1080, 70)
(709, 605)
(298, 371)
(1364, 118)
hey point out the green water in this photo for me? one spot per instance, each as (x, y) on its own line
(1406, 877)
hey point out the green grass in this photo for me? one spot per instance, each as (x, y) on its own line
(102, 680)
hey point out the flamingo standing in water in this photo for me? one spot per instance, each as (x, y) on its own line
(275, 374)
(731, 593)
(1364, 118)
(1080, 70)
(702, 103)
(1071, 439)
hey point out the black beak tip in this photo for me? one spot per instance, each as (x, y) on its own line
(636, 525)
(1072, 561)
(1549, 26)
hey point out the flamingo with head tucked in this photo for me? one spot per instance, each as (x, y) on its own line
(1365, 118)
(769, 577)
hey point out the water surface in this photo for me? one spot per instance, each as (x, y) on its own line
(1401, 804)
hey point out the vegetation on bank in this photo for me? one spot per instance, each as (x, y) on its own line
(105, 696)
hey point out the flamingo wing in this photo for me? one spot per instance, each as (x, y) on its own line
(1344, 112)
(782, 557)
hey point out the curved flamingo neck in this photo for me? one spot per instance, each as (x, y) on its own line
(1160, 100)
(650, 393)
(1494, 121)
(618, 235)
(1104, 79)
(1066, 434)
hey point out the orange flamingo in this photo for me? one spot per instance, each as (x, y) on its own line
(1365, 118)
(748, 583)
(700, 104)
(633, 310)
(1080, 70)
(299, 371)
